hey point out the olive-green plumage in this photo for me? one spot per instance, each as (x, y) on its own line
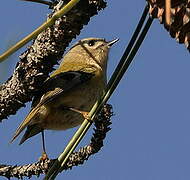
(76, 84)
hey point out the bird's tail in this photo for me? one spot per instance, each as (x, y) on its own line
(30, 131)
(33, 114)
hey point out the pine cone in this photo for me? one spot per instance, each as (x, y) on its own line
(180, 18)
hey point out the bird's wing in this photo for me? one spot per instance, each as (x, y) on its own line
(52, 88)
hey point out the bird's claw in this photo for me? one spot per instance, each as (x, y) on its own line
(43, 157)
(86, 116)
(83, 113)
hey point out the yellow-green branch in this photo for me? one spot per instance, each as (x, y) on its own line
(33, 35)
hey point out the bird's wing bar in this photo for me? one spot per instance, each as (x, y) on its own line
(61, 83)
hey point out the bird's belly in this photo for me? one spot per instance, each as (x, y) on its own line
(61, 118)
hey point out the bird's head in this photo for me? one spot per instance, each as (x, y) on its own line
(91, 50)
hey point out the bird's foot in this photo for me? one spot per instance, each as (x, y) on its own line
(84, 113)
(43, 157)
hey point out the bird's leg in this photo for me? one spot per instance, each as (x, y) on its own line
(44, 154)
(84, 113)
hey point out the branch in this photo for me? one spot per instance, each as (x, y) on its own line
(102, 124)
(39, 58)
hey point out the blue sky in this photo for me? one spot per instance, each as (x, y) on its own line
(150, 136)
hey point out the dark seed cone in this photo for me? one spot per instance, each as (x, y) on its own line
(180, 18)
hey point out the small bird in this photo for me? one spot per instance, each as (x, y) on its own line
(69, 93)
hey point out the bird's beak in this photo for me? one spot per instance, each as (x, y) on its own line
(110, 43)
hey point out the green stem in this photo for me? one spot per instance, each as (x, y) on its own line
(125, 65)
(131, 43)
(116, 77)
(34, 34)
(123, 58)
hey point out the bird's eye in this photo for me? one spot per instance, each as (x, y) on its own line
(91, 43)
